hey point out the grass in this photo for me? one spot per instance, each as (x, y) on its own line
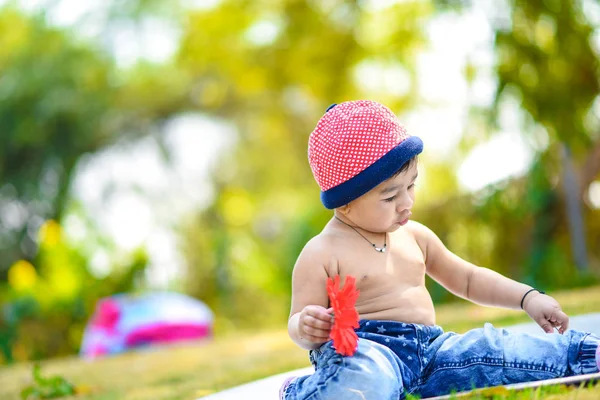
(195, 370)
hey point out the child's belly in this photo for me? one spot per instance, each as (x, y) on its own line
(408, 304)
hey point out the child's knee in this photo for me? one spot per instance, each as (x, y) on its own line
(371, 373)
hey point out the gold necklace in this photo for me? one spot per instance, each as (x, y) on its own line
(378, 249)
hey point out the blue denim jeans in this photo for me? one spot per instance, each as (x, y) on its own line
(395, 359)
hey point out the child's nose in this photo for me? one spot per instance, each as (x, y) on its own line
(405, 202)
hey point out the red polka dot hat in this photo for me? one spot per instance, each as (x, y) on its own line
(355, 146)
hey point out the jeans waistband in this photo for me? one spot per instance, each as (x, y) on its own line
(395, 329)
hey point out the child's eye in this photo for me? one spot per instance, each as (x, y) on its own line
(390, 199)
(412, 186)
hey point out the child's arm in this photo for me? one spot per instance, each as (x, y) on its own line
(310, 320)
(484, 286)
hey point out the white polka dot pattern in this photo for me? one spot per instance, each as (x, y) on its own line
(349, 138)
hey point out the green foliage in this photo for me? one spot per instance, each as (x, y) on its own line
(47, 388)
(60, 99)
(45, 313)
(545, 57)
(52, 90)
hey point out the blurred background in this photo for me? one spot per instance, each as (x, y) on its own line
(151, 145)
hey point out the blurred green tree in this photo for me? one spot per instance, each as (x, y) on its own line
(547, 62)
(61, 98)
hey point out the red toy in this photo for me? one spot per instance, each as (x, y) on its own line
(345, 317)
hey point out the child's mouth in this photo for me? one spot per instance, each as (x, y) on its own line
(405, 220)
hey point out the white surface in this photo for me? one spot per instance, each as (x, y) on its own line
(586, 323)
(268, 388)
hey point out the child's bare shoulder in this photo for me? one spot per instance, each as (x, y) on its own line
(417, 228)
(310, 274)
(317, 253)
(432, 247)
(422, 234)
(317, 248)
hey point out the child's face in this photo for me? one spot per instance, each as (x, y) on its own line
(386, 207)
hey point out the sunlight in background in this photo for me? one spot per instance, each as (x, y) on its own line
(140, 195)
(594, 194)
(154, 40)
(504, 155)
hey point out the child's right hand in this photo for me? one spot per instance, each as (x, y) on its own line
(315, 323)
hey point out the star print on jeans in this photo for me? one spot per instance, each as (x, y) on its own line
(401, 337)
(381, 329)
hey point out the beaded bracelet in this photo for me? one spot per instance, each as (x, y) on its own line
(529, 291)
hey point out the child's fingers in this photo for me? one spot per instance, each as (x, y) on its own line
(546, 326)
(313, 334)
(320, 315)
(557, 320)
(561, 320)
(317, 323)
(315, 339)
(317, 333)
(544, 323)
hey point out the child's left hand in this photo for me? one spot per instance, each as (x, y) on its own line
(546, 312)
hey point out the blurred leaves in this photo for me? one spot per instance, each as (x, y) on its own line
(61, 98)
(45, 308)
(547, 57)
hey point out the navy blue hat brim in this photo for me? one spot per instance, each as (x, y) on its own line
(379, 171)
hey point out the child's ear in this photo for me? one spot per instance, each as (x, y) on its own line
(345, 209)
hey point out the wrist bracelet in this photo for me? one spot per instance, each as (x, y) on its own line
(529, 291)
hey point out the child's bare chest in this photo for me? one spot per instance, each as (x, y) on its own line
(401, 265)
(391, 284)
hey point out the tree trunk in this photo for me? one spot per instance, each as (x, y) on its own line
(590, 169)
(574, 213)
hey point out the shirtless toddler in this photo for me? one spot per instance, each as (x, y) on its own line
(365, 164)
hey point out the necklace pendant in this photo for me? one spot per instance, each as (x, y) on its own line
(380, 249)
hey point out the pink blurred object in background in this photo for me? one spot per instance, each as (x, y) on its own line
(123, 322)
